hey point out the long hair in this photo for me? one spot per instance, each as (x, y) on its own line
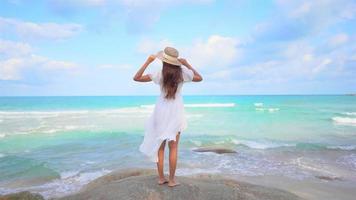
(172, 76)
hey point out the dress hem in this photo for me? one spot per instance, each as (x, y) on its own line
(154, 157)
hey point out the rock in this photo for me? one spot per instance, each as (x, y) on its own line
(142, 185)
(214, 150)
(329, 178)
(22, 196)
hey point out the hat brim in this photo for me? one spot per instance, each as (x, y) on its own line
(176, 62)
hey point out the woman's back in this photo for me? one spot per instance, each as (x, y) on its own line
(158, 77)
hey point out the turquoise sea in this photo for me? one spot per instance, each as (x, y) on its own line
(55, 145)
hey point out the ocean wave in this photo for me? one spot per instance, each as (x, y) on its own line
(63, 128)
(342, 147)
(70, 112)
(260, 107)
(70, 182)
(267, 109)
(124, 110)
(345, 120)
(244, 163)
(209, 105)
(49, 129)
(311, 165)
(199, 105)
(272, 145)
(148, 106)
(261, 145)
(196, 142)
(6, 113)
(258, 104)
(349, 113)
(50, 122)
(348, 160)
(273, 109)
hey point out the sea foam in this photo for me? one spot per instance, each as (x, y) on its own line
(123, 110)
(258, 104)
(198, 105)
(209, 105)
(275, 144)
(350, 113)
(348, 160)
(342, 147)
(70, 182)
(345, 120)
(261, 145)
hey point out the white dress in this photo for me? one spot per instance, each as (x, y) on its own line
(168, 117)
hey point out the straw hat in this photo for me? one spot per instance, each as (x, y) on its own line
(169, 55)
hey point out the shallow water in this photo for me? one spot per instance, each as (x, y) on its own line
(55, 145)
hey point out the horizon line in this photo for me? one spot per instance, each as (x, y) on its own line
(153, 95)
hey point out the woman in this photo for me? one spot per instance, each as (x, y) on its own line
(167, 120)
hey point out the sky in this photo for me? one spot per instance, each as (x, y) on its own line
(240, 47)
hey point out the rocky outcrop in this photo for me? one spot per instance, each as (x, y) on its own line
(142, 185)
(214, 150)
(22, 196)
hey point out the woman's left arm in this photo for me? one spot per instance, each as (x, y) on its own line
(139, 74)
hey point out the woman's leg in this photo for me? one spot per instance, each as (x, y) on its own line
(160, 163)
(173, 148)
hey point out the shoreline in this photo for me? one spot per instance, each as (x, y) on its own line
(142, 184)
(313, 189)
(118, 183)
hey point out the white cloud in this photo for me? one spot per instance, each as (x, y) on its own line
(297, 19)
(339, 39)
(298, 60)
(114, 66)
(322, 11)
(322, 65)
(16, 2)
(161, 3)
(139, 15)
(148, 46)
(129, 3)
(217, 51)
(18, 60)
(302, 9)
(95, 2)
(31, 30)
(295, 44)
(353, 57)
(10, 69)
(49, 64)
(10, 48)
(224, 74)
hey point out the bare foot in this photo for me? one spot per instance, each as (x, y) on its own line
(173, 183)
(162, 181)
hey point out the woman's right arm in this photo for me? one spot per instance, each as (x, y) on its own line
(197, 77)
(139, 74)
